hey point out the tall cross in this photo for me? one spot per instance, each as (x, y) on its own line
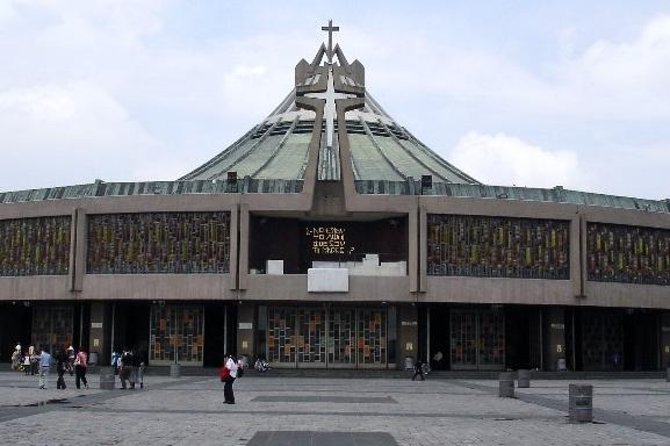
(330, 28)
(329, 109)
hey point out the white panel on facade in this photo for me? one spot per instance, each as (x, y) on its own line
(327, 280)
(275, 267)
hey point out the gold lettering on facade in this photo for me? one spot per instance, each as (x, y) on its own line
(329, 240)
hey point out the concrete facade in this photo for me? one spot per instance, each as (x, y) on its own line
(412, 296)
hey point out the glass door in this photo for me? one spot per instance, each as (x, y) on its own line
(491, 340)
(333, 337)
(311, 338)
(371, 338)
(463, 339)
(281, 337)
(477, 339)
(341, 338)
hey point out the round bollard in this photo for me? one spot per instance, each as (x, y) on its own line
(580, 404)
(523, 375)
(175, 371)
(667, 374)
(506, 385)
(107, 378)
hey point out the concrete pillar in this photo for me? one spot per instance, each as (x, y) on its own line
(245, 329)
(665, 340)
(100, 332)
(506, 384)
(580, 403)
(554, 342)
(175, 370)
(408, 336)
(107, 378)
(523, 376)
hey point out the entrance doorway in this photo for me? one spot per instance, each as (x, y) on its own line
(327, 337)
(477, 339)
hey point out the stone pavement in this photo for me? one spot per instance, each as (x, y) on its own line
(329, 411)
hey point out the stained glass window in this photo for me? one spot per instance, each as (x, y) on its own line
(461, 245)
(177, 330)
(52, 327)
(185, 242)
(35, 246)
(629, 254)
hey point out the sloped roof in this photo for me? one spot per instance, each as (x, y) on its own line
(381, 149)
(385, 157)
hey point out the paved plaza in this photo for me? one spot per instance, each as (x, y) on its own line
(329, 411)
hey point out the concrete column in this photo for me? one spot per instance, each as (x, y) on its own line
(413, 251)
(78, 236)
(408, 336)
(234, 247)
(245, 329)
(243, 263)
(554, 342)
(423, 255)
(665, 341)
(100, 331)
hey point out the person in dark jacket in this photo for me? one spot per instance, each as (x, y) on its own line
(61, 368)
(127, 371)
(418, 370)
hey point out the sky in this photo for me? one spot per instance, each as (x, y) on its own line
(534, 94)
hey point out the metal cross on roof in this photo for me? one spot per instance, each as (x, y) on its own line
(330, 28)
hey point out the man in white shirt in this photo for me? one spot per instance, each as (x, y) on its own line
(231, 366)
(45, 365)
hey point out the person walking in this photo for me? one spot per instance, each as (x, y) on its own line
(34, 360)
(17, 357)
(61, 368)
(70, 359)
(418, 370)
(80, 368)
(228, 374)
(127, 371)
(44, 367)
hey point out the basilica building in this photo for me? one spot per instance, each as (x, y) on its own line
(329, 236)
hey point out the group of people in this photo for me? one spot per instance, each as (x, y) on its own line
(130, 368)
(27, 362)
(39, 363)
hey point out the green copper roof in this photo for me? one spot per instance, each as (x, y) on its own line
(278, 148)
(409, 187)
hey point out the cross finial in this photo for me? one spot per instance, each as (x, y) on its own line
(330, 28)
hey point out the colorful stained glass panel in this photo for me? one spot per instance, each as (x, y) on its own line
(35, 246)
(174, 243)
(461, 245)
(628, 254)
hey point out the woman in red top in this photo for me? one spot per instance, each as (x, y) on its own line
(80, 365)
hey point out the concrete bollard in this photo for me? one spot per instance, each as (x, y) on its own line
(580, 403)
(506, 385)
(175, 371)
(107, 378)
(523, 376)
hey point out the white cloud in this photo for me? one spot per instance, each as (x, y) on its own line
(506, 160)
(626, 80)
(74, 133)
